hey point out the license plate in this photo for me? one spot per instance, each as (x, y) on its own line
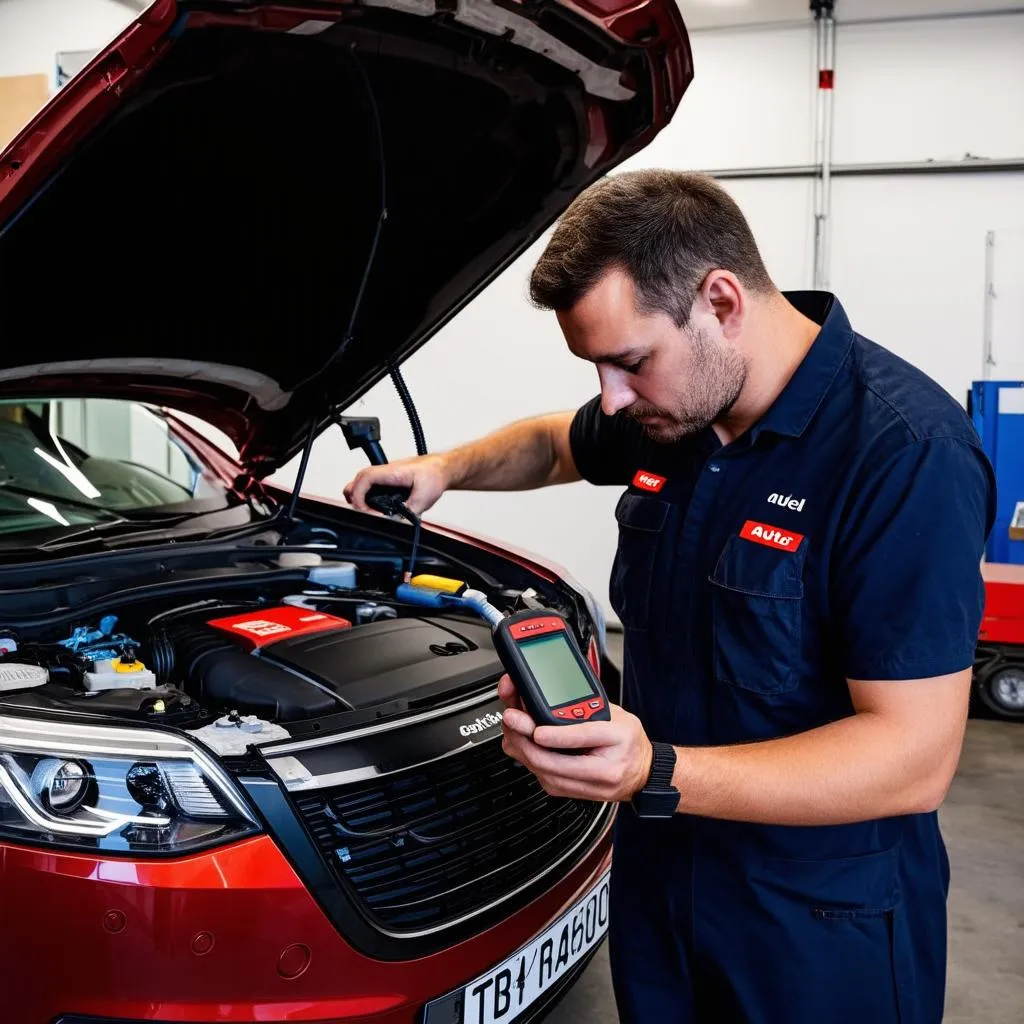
(506, 991)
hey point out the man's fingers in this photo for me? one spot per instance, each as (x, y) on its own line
(508, 693)
(518, 721)
(356, 490)
(577, 737)
(394, 476)
(549, 764)
(422, 476)
(573, 789)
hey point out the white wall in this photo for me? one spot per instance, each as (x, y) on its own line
(33, 32)
(910, 267)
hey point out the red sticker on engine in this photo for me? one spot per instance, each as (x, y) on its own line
(648, 481)
(257, 629)
(771, 536)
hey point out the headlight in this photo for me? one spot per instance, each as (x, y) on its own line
(131, 790)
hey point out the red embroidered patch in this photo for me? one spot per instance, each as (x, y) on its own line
(771, 536)
(648, 481)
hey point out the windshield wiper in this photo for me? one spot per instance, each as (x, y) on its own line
(59, 499)
(141, 530)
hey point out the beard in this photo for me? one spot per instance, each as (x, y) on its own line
(717, 378)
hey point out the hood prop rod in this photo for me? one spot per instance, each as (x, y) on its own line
(307, 449)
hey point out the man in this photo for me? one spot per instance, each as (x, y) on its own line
(798, 580)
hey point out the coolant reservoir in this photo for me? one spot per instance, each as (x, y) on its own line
(119, 674)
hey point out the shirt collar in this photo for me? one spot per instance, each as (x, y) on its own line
(790, 413)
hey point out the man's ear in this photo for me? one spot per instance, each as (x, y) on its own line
(722, 293)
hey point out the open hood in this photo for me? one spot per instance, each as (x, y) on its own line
(192, 220)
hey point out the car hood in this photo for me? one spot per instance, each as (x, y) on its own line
(250, 211)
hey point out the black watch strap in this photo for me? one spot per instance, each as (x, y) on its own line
(662, 765)
(658, 798)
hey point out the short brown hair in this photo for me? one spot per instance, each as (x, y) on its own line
(666, 229)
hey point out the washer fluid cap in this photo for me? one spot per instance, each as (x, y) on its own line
(246, 723)
(298, 559)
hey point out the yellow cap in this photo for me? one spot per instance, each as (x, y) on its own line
(441, 583)
(131, 666)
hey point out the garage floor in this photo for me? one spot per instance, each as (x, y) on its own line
(983, 823)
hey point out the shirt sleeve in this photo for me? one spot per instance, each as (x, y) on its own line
(604, 448)
(907, 586)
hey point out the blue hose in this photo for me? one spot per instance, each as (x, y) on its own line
(474, 600)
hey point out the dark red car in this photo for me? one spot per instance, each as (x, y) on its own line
(239, 779)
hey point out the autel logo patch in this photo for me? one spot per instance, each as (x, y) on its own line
(788, 501)
(648, 481)
(771, 536)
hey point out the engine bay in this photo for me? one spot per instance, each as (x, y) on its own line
(254, 664)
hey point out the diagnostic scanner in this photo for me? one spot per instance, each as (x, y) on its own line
(554, 681)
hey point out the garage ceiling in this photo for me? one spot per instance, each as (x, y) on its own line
(723, 13)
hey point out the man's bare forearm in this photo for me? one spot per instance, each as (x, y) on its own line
(523, 455)
(869, 765)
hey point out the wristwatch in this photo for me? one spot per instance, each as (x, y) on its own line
(659, 798)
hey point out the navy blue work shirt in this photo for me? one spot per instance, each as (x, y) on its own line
(839, 538)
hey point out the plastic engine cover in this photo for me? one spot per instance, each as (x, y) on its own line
(379, 661)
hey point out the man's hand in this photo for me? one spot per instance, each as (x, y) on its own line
(615, 764)
(426, 477)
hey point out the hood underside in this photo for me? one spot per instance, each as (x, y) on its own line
(192, 220)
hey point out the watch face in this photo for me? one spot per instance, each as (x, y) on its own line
(656, 803)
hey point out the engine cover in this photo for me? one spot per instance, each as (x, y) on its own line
(289, 663)
(379, 661)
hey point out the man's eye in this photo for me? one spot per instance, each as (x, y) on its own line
(635, 367)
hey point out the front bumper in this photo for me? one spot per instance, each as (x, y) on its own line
(534, 1015)
(231, 935)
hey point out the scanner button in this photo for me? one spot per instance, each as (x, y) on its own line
(595, 703)
(578, 713)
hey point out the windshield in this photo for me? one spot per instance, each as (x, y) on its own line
(79, 462)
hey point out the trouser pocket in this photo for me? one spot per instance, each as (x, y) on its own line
(799, 941)
(833, 926)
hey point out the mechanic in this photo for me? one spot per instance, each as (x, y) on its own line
(798, 579)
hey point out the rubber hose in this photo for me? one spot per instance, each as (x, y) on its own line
(410, 409)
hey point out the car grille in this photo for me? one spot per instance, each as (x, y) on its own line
(429, 846)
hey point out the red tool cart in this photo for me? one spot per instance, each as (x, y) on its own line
(999, 664)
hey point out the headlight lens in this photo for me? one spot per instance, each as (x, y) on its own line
(136, 791)
(59, 785)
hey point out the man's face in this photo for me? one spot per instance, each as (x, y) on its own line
(673, 381)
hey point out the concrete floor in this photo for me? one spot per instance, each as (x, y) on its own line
(983, 824)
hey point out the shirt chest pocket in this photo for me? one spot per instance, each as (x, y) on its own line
(757, 609)
(641, 522)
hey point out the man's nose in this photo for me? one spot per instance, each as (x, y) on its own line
(616, 394)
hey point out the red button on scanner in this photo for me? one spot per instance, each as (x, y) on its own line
(578, 713)
(562, 714)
